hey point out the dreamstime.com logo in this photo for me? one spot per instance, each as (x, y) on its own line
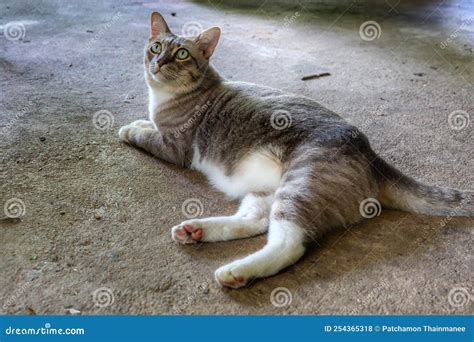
(459, 297)
(370, 30)
(289, 20)
(280, 119)
(103, 30)
(199, 111)
(191, 29)
(456, 210)
(14, 31)
(46, 330)
(465, 24)
(103, 297)
(370, 207)
(103, 120)
(280, 297)
(458, 120)
(23, 111)
(17, 294)
(192, 208)
(14, 208)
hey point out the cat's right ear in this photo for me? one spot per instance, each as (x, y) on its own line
(158, 24)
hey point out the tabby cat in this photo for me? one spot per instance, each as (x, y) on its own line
(298, 168)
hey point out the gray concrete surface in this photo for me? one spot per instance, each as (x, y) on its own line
(98, 213)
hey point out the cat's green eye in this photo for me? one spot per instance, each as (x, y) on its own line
(182, 54)
(156, 47)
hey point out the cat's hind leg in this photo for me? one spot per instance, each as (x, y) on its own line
(251, 219)
(319, 190)
(284, 247)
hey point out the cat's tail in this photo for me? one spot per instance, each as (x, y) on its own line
(398, 191)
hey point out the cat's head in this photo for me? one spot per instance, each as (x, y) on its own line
(177, 62)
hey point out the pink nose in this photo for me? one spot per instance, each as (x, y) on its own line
(161, 62)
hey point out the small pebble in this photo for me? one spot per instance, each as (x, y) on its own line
(73, 311)
(42, 139)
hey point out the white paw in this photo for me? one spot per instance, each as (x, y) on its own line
(233, 275)
(124, 133)
(186, 233)
(143, 124)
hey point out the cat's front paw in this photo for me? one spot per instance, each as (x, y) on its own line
(143, 124)
(124, 133)
(186, 233)
(232, 275)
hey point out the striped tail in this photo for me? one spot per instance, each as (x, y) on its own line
(398, 191)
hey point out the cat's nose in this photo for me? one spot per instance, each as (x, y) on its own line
(161, 62)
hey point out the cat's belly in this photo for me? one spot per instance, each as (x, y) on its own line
(258, 172)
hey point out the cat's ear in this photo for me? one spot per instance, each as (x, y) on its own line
(158, 24)
(207, 41)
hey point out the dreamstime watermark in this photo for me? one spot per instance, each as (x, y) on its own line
(16, 295)
(202, 288)
(459, 297)
(199, 110)
(288, 20)
(23, 111)
(358, 127)
(46, 330)
(375, 292)
(103, 120)
(192, 208)
(281, 119)
(370, 30)
(370, 207)
(456, 32)
(14, 31)
(103, 30)
(459, 119)
(456, 210)
(280, 297)
(191, 29)
(103, 297)
(14, 208)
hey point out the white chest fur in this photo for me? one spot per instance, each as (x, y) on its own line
(259, 171)
(156, 96)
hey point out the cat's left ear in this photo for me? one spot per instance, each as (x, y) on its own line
(207, 41)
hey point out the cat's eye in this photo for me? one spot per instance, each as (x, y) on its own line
(156, 47)
(182, 54)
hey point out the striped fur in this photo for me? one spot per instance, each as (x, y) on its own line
(298, 181)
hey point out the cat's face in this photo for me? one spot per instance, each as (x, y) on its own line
(176, 62)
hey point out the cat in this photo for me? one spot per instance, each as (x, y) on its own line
(298, 168)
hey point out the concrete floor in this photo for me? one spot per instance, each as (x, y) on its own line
(98, 213)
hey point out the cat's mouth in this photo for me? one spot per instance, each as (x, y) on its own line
(155, 71)
(161, 75)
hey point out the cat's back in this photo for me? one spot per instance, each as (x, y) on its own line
(245, 113)
(267, 99)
